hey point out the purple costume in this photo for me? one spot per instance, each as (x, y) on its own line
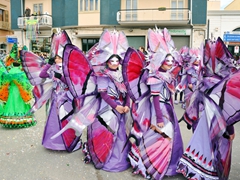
(190, 73)
(157, 150)
(106, 136)
(109, 127)
(50, 87)
(213, 111)
(59, 95)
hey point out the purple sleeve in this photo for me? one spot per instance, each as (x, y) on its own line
(127, 101)
(43, 73)
(189, 79)
(63, 80)
(108, 99)
(230, 129)
(157, 109)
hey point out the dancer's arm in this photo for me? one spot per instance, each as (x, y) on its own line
(102, 89)
(44, 73)
(155, 93)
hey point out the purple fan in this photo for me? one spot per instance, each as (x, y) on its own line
(133, 74)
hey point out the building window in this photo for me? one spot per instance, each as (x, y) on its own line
(88, 43)
(1, 15)
(131, 6)
(177, 9)
(4, 15)
(88, 5)
(37, 9)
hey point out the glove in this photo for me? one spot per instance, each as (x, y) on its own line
(57, 75)
(51, 61)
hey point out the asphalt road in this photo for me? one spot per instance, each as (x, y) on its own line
(22, 157)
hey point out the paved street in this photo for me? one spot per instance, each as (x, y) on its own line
(24, 158)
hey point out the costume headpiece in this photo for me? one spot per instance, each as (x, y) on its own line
(160, 44)
(59, 40)
(195, 54)
(111, 44)
(13, 56)
(184, 54)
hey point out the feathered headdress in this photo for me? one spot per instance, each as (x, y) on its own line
(195, 54)
(59, 40)
(13, 56)
(110, 43)
(184, 56)
(160, 44)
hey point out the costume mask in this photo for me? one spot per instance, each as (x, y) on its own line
(169, 61)
(59, 66)
(114, 61)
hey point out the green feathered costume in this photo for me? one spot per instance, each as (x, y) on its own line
(15, 94)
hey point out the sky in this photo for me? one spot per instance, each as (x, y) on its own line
(224, 3)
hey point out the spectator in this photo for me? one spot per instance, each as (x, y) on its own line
(142, 49)
(27, 12)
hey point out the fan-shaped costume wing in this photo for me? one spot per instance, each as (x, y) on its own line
(82, 85)
(77, 71)
(133, 74)
(32, 65)
(217, 59)
(226, 94)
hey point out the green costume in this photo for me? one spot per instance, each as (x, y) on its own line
(15, 95)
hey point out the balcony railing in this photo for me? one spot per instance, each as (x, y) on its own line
(44, 21)
(152, 16)
(5, 25)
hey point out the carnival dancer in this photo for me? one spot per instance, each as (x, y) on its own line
(184, 57)
(50, 87)
(190, 73)
(16, 93)
(158, 143)
(106, 136)
(213, 107)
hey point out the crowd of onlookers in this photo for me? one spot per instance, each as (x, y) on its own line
(43, 55)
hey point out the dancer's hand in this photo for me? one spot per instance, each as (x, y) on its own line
(190, 86)
(231, 137)
(153, 127)
(160, 124)
(120, 109)
(57, 75)
(126, 109)
(51, 61)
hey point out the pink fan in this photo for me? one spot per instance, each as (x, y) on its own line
(77, 71)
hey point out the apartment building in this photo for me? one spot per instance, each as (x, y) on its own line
(85, 20)
(225, 24)
(6, 38)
